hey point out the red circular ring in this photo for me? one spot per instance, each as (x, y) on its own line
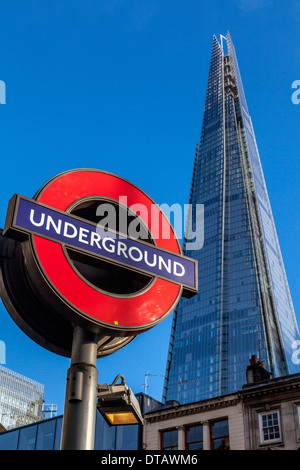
(143, 309)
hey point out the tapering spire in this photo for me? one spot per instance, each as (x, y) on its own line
(244, 306)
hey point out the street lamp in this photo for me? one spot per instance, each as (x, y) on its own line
(118, 404)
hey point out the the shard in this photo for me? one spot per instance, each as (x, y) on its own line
(244, 305)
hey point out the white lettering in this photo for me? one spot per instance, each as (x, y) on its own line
(111, 247)
(50, 221)
(95, 238)
(180, 267)
(147, 261)
(140, 254)
(83, 232)
(151, 257)
(161, 263)
(122, 248)
(37, 224)
(149, 459)
(70, 235)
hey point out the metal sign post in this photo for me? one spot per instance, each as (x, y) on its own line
(79, 419)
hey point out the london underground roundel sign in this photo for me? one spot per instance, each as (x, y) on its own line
(91, 250)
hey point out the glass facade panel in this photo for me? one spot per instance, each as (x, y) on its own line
(9, 440)
(27, 438)
(127, 440)
(58, 429)
(106, 439)
(243, 307)
(284, 315)
(45, 435)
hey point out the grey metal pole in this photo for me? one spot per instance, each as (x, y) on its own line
(79, 419)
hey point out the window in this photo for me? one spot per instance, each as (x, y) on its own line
(194, 438)
(269, 427)
(9, 440)
(169, 440)
(220, 435)
(58, 431)
(127, 440)
(27, 438)
(45, 435)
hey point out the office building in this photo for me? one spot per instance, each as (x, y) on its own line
(21, 399)
(244, 305)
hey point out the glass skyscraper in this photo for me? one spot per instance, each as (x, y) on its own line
(244, 306)
(21, 399)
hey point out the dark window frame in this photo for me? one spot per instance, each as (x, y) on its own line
(169, 447)
(213, 439)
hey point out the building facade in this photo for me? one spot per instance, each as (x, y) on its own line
(271, 411)
(263, 415)
(215, 424)
(46, 434)
(244, 305)
(21, 399)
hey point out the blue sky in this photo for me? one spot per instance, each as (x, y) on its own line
(119, 85)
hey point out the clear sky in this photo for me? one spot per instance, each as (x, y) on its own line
(119, 85)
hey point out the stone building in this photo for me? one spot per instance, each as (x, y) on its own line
(271, 411)
(263, 415)
(217, 423)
